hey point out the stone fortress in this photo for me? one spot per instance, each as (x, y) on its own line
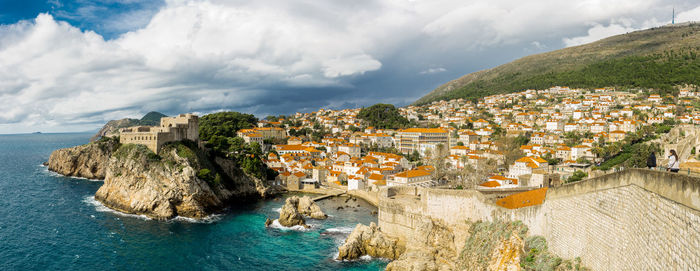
(184, 126)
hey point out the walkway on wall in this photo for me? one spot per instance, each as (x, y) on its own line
(328, 196)
(679, 187)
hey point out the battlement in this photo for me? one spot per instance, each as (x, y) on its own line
(636, 219)
(181, 127)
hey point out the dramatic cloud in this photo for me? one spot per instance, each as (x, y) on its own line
(621, 26)
(277, 56)
(599, 31)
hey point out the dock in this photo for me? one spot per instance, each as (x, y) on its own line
(328, 196)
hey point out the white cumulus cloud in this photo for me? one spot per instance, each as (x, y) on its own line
(267, 55)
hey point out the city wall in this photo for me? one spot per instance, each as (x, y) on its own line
(630, 220)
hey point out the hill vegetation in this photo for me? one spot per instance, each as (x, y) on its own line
(657, 58)
(219, 131)
(383, 116)
(151, 119)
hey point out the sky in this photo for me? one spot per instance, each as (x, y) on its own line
(70, 66)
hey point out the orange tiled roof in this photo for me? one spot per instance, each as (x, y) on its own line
(524, 199)
(412, 173)
(376, 177)
(490, 184)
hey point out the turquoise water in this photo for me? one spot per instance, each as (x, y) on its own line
(50, 222)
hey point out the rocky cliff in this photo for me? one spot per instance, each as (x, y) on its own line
(182, 181)
(430, 247)
(88, 161)
(434, 245)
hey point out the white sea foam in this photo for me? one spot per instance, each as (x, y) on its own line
(345, 230)
(363, 258)
(206, 220)
(366, 258)
(276, 225)
(82, 178)
(277, 209)
(90, 200)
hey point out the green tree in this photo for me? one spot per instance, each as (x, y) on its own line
(577, 176)
(224, 124)
(383, 116)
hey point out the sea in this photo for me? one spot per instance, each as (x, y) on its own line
(52, 222)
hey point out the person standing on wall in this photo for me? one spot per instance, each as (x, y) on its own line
(651, 161)
(673, 162)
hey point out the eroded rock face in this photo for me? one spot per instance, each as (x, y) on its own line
(87, 161)
(506, 256)
(369, 240)
(431, 247)
(160, 187)
(309, 208)
(414, 260)
(169, 185)
(243, 185)
(289, 214)
(159, 190)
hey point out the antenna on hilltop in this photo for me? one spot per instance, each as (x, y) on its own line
(673, 19)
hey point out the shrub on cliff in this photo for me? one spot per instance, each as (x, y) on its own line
(108, 144)
(483, 238)
(136, 151)
(208, 176)
(538, 257)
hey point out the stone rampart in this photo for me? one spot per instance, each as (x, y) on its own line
(630, 220)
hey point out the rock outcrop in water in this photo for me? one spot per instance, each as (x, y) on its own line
(290, 215)
(182, 181)
(369, 240)
(87, 161)
(309, 208)
(294, 210)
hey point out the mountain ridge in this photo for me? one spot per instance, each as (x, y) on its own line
(111, 128)
(578, 66)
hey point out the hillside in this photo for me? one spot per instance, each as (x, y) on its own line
(151, 119)
(112, 127)
(657, 58)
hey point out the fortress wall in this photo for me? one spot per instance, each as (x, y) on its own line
(630, 220)
(624, 228)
